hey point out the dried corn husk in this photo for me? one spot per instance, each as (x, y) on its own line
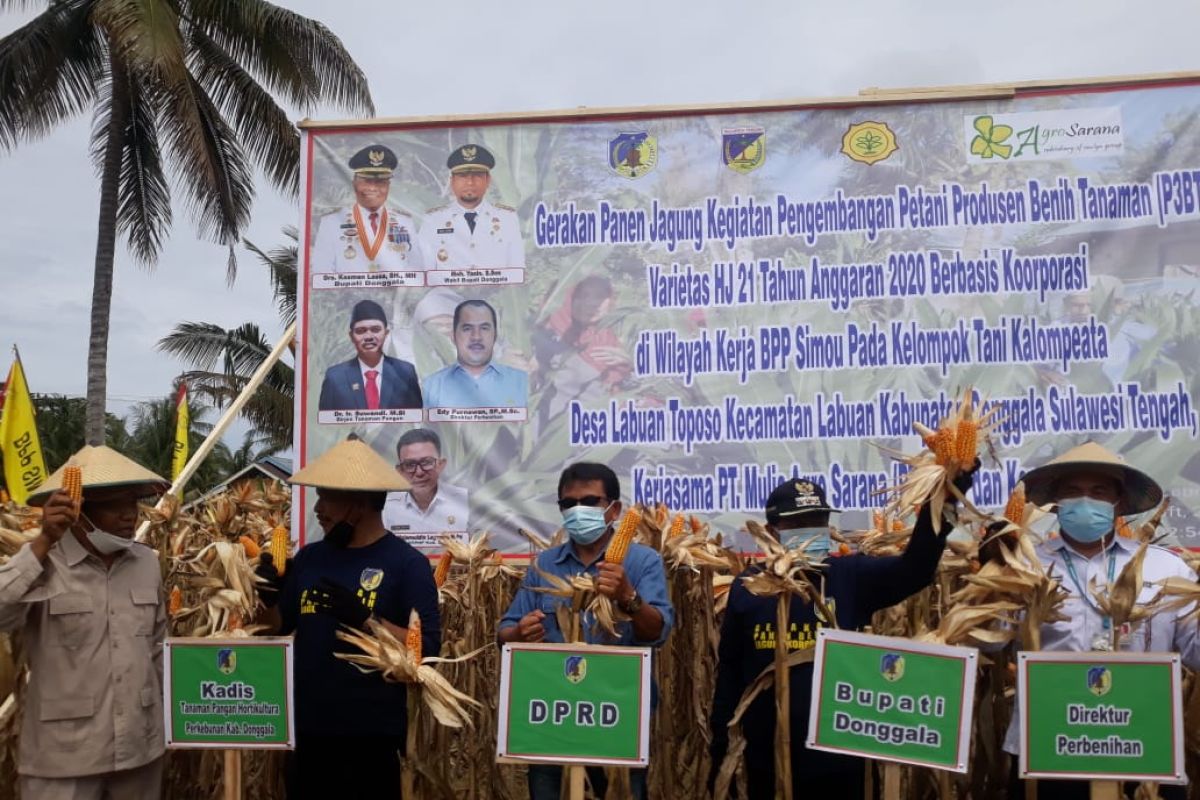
(387, 655)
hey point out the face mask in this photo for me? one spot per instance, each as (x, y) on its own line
(818, 538)
(1086, 519)
(108, 543)
(585, 524)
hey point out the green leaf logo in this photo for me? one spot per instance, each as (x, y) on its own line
(991, 138)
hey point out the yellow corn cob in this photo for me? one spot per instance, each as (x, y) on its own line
(619, 546)
(943, 444)
(1014, 511)
(676, 527)
(279, 547)
(250, 546)
(176, 602)
(72, 484)
(897, 525)
(443, 568)
(235, 620)
(413, 640)
(966, 442)
(1123, 529)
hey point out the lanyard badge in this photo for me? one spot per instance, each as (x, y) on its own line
(1102, 641)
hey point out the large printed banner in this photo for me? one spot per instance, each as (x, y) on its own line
(714, 301)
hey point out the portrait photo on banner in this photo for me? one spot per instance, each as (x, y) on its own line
(714, 301)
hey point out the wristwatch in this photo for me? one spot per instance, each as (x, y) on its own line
(631, 605)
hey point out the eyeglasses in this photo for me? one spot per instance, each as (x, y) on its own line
(426, 464)
(591, 500)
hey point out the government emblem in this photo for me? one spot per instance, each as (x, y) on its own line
(226, 661)
(1099, 680)
(869, 142)
(575, 668)
(632, 155)
(370, 579)
(891, 667)
(743, 149)
(375, 157)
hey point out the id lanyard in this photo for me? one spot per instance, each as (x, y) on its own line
(1104, 640)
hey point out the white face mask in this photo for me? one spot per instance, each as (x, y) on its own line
(108, 543)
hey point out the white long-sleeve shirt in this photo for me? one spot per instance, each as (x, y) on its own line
(1163, 632)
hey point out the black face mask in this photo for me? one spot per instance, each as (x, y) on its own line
(341, 533)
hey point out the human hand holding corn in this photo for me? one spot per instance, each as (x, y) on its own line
(530, 628)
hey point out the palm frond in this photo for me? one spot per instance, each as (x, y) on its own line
(263, 128)
(281, 264)
(293, 56)
(50, 69)
(209, 163)
(145, 35)
(143, 196)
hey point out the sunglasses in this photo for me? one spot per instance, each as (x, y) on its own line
(591, 500)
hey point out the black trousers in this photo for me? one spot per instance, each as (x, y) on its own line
(326, 767)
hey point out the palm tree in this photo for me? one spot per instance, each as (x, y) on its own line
(224, 359)
(60, 427)
(152, 441)
(189, 81)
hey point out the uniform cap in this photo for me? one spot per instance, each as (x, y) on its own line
(351, 466)
(101, 467)
(794, 497)
(1142, 492)
(367, 309)
(374, 160)
(471, 158)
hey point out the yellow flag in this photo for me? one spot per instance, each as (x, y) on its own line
(24, 464)
(182, 423)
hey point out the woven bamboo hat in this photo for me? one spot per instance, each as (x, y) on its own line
(101, 467)
(1142, 493)
(351, 466)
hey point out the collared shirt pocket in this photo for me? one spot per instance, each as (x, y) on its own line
(145, 610)
(65, 721)
(71, 619)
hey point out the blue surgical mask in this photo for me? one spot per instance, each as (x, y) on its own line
(1086, 519)
(818, 538)
(585, 524)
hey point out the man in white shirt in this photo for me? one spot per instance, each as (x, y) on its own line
(1091, 486)
(430, 509)
(368, 236)
(472, 231)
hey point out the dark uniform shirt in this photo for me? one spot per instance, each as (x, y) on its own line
(856, 586)
(333, 697)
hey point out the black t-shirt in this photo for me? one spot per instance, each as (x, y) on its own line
(333, 697)
(856, 586)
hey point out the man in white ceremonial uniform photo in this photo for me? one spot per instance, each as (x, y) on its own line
(472, 231)
(368, 236)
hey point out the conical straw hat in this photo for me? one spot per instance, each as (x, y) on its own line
(1142, 493)
(351, 466)
(101, 467)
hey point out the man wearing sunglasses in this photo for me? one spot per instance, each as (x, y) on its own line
(589, 498)
(89, 601)
(431, 508)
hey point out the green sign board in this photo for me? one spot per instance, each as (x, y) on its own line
(229, 693)
(1101, 716)
(574, 704)
(892, 699)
